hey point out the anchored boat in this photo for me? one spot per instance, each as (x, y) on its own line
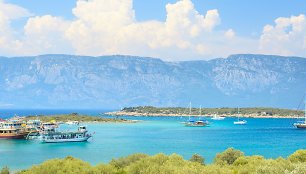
(61, 137)
(198, 123)
(12, 130)
(301, 124)
(240, 122)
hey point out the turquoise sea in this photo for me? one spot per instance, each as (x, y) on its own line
(268, 137)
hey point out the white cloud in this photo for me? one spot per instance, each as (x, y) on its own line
(45, 34)
(9, 12)
(104, 27)
(286, 37)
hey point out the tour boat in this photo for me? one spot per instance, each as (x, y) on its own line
(12, 130)
(240, 122)
(61, 137)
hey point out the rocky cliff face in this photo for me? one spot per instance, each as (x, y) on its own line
(64, 81)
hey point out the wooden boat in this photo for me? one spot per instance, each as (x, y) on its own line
(12, 130)
(198, 123)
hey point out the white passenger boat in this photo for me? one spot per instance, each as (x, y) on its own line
(80, 135)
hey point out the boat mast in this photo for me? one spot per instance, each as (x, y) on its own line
(200, 110)
(305, 112)
(189, 110)
(238, 114)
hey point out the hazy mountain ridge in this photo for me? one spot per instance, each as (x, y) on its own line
(65, 81)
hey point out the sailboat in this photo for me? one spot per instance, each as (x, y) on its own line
(240, 122)
(198, 123)
(301, 124)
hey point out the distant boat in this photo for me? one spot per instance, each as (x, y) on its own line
(240, 122)
(301, 124)
(62, 137)
(198, 123)
(217, 117)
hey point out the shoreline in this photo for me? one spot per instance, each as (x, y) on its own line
(137, 114)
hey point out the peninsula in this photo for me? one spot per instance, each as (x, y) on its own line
(256, 112)
(76, 117)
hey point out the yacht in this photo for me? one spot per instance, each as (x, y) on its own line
(240, 122)
(301, 124)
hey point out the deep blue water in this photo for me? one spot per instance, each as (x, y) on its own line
(268, 137)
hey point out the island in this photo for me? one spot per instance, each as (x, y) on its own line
(255, 112)
(76, 117)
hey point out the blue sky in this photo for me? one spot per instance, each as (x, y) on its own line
(243, 19)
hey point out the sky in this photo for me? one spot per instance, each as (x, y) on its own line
(166, 29)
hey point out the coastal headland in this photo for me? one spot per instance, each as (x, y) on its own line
(255, 112)
(76, 117)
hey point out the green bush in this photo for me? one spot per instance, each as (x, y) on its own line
(232, 162)
(228, 156)
(126, 161)
(298, 156)
(68, 165)
(197, 158)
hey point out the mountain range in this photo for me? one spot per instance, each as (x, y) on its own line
(112, 82)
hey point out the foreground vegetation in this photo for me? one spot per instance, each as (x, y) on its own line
(230, 161)
(73, 117)
(258, 111)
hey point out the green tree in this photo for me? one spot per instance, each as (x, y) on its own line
(197, 158)
(228, 156)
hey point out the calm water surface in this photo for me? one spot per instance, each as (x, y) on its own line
(268, 137)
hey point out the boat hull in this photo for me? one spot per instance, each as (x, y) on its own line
(301, 126)
(10, 136)
(240, 122)
(65, 140)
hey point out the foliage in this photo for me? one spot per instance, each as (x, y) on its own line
(258, 111)
(5, 170)
(69, 165)
(126, 161)
(298, 156)
(197, 158)
(230, 161)
(228, 156)
(73, 117)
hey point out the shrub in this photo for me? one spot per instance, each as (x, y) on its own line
(228, 156)
(197, 158)
(125, 161)
(298, 156)
(68, 165)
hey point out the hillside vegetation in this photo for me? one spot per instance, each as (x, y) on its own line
(210, 111)
(230, 161)
(73, 117)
